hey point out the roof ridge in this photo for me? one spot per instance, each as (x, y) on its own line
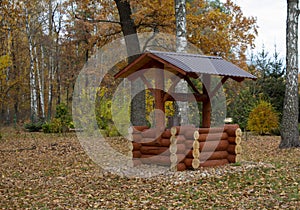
(185, 54)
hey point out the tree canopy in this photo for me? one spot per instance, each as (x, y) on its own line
(45, 59)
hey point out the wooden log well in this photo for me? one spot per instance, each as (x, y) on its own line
(176, 147)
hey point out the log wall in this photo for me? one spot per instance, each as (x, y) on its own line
(216, 146)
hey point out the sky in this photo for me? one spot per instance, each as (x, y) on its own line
(271, 20)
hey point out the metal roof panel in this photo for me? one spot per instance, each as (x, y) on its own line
(194, 63)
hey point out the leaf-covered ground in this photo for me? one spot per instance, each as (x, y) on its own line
(41, 171)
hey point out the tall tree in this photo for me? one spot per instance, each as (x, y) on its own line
(58, 55)
(181, 30)
(51, 58)
(289, 127)
(181, 45)
(32, 74)
(129, 30)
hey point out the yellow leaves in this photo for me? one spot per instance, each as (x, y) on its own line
(154, 13)
(263, 119)
(102, 91)
(5, 62)
(169, 106)
(221, 31)
(215, 28)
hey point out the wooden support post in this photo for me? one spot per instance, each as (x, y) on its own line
(206, 109)
(159, 97)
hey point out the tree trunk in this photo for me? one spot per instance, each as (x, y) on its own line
(33, 92)
(138, 109)
(17, 76)
(8, 96)
(181, 44)
(57, 67)
(41, 82)
(128, 29)
(50, 88)
(40, 86)
(180, 16)
(289, 127)
(51, 61)
(8, 70)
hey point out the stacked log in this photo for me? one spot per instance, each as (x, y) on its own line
(186, 147)
(196, 152)
(181, 151)
(234, 139)
(152, 151)
(151, 146)
(135, 135)
(213, 146)
(173, 149)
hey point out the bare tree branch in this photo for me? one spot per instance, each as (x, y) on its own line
(155, 31)
(96, 21)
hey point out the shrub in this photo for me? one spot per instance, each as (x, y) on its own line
(61, 122)
(113, 131)
(55, 126)
(34, 127)
(263, 119)
(241, 106)
(62, 113)
(46, 128)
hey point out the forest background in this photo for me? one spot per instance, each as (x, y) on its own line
(45, 44)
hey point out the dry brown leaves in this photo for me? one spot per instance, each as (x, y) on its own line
(54, 172)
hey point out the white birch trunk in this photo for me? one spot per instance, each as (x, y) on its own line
(57, 30)
(181, 44)
(39, 68)
(289, 127)
(51, 62)
(181, 31)
(33, 92)
(50, 86)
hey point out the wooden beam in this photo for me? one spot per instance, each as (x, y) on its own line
(188, 97)
(145, 68)
(219, 85)
(147, 83)
(140, 61)
(194, 75)
(206, 108)
(192, 85)
(239, 79)
(175, 82)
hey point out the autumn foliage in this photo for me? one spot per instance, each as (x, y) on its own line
(45, 44)
(263, 119)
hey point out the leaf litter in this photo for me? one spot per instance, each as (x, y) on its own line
(55, 172)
